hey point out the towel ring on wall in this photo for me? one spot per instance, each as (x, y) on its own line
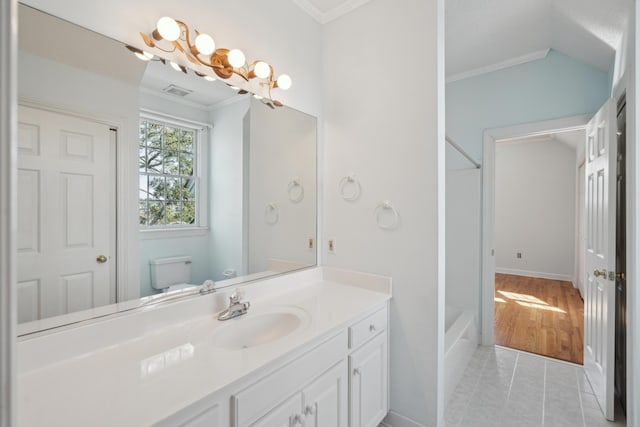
(382, 207)
(295, 191)
(271, 213)
(350, 188)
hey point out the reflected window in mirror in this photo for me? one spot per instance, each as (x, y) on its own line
(170, 193)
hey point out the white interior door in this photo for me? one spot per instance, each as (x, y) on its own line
(599, 301)
(66, 214)
(582, 221)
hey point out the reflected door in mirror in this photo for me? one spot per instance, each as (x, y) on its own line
(66, 214)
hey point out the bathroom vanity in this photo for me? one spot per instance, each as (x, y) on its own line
(312, 351)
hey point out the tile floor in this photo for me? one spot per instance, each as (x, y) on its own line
(504, 387)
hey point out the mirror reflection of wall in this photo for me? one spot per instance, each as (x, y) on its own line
(125, 163)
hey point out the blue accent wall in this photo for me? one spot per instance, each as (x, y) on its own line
(549, 88)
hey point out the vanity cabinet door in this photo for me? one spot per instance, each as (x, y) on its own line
(368, 383)
(326, 401)
(287, 414)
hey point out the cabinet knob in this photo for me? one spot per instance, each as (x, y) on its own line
(309, 410)
(372, 327)
(296, 419)
(356, 371)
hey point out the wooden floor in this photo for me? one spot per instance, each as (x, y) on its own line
(539, 316)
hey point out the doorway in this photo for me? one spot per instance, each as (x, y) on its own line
(537, 304)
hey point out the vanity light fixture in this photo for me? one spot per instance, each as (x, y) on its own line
(172, 36)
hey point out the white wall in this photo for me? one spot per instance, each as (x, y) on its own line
(226, 185)
(463, 233)
(386, 131)
(535, 208)
(282, 148)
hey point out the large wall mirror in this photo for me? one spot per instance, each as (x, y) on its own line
(136, 179)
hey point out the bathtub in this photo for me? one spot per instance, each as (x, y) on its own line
(460, 341)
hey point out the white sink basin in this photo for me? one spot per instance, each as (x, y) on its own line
(255, 329)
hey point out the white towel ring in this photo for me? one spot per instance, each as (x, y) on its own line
(271, 213)
(295, 191)
(382, 207)
(350, 188)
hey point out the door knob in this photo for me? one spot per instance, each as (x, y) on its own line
(600, 273)
(101, 259)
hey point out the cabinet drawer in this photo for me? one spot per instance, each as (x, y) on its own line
(367, 328)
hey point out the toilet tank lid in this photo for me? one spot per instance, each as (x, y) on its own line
(171, 260)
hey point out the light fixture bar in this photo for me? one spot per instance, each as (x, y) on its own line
(173, 36)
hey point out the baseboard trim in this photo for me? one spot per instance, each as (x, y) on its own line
(536, 274)
(393, 419)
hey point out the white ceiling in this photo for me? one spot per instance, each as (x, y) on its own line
(483, 33)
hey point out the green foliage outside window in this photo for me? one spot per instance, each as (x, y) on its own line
(167, 181)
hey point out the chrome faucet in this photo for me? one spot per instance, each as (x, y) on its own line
(207, 287)
(236, 306)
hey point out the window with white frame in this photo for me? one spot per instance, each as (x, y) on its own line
(170, 196)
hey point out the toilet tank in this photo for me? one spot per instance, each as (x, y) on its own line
(170, 271)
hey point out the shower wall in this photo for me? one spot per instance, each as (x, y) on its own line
(463, 224)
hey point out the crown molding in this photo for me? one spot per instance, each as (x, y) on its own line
(330, 15)
(533, 56)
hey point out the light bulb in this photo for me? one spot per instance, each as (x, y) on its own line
(210, 79)
(284, 82)
(236, 58)
(145, 56)
(175, 66)
(168, 28)
(205, 44)
(261, 69)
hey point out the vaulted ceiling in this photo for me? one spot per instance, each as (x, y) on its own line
(482, 33)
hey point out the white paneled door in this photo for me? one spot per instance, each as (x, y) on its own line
(599, 298)
(66, 214)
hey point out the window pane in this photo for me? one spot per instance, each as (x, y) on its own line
(188, 212)
(154, 135)
(156, 213)
(188, 189)
(142, 164)
(143, 213)
(186, 141)
(186, 164)
(171, 162)
(143, 193)
(142, 133)
(171, 139)
(173, 213)
(154, 160)
(157, 188)
(174, 189)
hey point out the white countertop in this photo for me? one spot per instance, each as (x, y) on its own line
(145, 378)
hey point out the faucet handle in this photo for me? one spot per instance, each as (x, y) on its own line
(236, 296)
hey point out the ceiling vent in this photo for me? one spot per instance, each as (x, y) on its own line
(176, 90)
